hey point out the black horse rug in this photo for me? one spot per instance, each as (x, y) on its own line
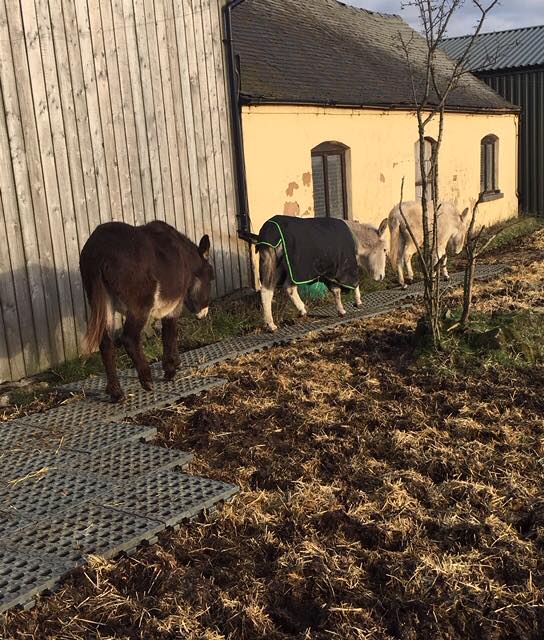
(315, 249)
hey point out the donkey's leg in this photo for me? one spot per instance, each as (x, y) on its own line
(267, 272)
(292, 292)
(358, 298)
(445, 272)
(408, 264)
(170, 355)
(337, 292)
(397, 260)
(267, 295)
(107, 351)
(132, 340)
(400, 273)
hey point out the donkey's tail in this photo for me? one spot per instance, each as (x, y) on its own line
(252, 238)
(101, 313)
(395, 240)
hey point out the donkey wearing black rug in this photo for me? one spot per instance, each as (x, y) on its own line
(152, 270)
(295, 251)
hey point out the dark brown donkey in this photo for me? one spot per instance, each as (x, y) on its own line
(140, 272)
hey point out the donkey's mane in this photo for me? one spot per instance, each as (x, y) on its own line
(366, 234)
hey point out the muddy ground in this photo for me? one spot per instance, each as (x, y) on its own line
(383, 495)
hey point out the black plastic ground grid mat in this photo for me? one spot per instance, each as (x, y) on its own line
(35, 555)
(119, 462)
(35, 498)
(16, 466)
(88, 439)
(77, 533)
(129, 461)
(168, 496)
(194, 359)
(131, 513)
(9, 523)
(97, 410)
(23, 576)
(22, 438)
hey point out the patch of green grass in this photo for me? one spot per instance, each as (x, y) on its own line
(508, 232)
(510, 340)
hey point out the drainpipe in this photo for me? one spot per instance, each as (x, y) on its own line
(242, 200)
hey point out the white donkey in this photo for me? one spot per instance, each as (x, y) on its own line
(298, 251)
(452, 231)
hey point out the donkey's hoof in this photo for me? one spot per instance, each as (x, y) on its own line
(342, 313)
(303, 313)
(115, 394)
(147, 385)
(447, 277)
(271, 328)
(169, 375)
(404, 286)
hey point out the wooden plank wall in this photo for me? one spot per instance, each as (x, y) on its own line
(109, 110)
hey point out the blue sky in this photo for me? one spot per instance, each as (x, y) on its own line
(510, 14)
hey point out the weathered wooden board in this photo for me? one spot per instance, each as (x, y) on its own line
(108, 111)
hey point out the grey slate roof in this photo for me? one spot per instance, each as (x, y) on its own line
(324, 52)
(512, 49)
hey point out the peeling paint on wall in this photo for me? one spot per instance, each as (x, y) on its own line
(382, 178)
(291, 209)
(307, 179)
(291, 189)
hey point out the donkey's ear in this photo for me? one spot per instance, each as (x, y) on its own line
(464, 215)
(383, 227)
(204, 247)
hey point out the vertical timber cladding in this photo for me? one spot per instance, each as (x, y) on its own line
(110, 110)
(526, 89)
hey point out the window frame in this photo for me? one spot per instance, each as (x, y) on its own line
(489, 176)
(323, 151)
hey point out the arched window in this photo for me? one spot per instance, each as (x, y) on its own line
(430, 146)
(329, 178)
(489, 166)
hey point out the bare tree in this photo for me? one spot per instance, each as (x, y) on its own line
(431, 95)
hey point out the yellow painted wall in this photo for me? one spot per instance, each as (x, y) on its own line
(278, 141)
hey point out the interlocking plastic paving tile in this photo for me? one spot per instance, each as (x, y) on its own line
(55, 491)
(129, 459)
(181, 387)
(196, 358)
(221, 351)
(11, 431)
(83, 438)
(169, 497)
(23, 576)
(96, 385)
(88, 530)
(95, 411)
(14, 466)
(100, 410)
(9, 523)
(90, 439)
